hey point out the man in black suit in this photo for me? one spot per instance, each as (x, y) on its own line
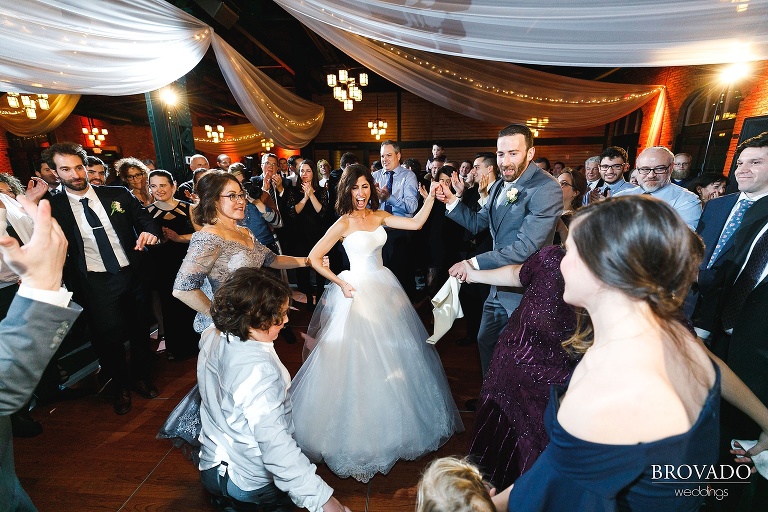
(732, 311)
(106, 228)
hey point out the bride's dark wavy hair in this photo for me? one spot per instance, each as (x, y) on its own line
(249, 298)
(348, 180)
(642, 247)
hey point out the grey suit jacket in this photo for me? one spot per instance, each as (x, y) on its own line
(29, 336)
(518, 229)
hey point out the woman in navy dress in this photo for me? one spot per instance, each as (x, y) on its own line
(645, 394)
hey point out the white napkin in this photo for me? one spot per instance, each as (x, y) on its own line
(446, 308)
(760, 460)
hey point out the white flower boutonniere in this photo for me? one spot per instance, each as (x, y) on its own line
(116, 207)
(512, 195)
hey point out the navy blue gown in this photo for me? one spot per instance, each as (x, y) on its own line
(574, 475)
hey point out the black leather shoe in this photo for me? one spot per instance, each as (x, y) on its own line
(471, 404)
(24, 425)
(288, 335)
(467, 340)
(145, 389)
(123, 401)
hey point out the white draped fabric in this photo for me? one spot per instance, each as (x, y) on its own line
(239, 139)
(610, 33)
(112, 48)
(288, 119)
(122, 47)
(496, 92)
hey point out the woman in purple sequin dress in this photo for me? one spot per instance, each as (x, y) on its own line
(509, 429)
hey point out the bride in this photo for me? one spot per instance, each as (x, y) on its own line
(372, 391)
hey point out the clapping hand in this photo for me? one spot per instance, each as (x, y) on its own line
(383, 192)
(458, 183)
(482, 184)
(307, 189)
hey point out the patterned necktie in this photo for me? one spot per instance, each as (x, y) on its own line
(730, 229)
(102, 240)
(390, 177)
(746, 281)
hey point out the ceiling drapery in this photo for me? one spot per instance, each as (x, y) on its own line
(492, 91)
(239, 139)
(290, 120)
(15, 119)
(600, 33)
(122, 47)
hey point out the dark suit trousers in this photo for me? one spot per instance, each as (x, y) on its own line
(395, 257)
(116, 308)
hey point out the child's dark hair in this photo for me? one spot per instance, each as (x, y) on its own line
(250, 298)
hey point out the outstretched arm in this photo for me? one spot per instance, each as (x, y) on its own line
(418, 220)
(508, 275)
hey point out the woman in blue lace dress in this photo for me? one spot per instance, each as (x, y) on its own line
(221, 246)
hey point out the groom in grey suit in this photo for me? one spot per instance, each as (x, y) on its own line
(521, 214)
(39, 318)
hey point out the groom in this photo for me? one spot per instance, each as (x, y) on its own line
(521, 214)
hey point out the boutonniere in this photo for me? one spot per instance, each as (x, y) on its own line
(116, 207)
(512, 195)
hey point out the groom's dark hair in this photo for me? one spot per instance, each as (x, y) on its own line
(518, 129)
(348, 180)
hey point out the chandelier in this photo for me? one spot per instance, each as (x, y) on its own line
(216, 135)
(16, 100)
(268, 144)
(346, 89)
(96, 135)
(378, 126)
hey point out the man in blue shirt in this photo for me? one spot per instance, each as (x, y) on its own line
(398, 192)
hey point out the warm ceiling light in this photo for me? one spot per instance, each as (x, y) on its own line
(349, 105)
(343, 76)
(331, 80)
(169, 97)
(734, 72)
(363, 79)
(13, 99)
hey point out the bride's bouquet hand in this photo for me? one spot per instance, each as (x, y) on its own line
(348, 290)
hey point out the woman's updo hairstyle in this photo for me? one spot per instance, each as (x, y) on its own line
(640, 245)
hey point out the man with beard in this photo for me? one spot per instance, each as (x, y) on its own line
(106, 229)
(654, 166)
(521, 214)
(96, 171)
(681, 174)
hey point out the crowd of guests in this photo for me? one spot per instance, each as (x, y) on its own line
(615, 352)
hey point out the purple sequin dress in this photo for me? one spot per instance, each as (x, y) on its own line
(509, 429)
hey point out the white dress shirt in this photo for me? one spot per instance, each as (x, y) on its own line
(246, 419)
(93, 260)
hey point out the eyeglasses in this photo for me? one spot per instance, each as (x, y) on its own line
(234, 197)
(131, 177)
(615, 167)
(659, 169)
(564, 184)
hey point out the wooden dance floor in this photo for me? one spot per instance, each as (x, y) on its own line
(89, 459)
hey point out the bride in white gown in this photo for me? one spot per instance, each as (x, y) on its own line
(372, 391)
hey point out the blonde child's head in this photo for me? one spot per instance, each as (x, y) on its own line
(453, 485)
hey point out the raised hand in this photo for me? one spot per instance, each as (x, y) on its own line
(36, 189)
(458, 183)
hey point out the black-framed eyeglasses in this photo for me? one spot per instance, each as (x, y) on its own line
(564, 184)
(234, 197)
(659, 169)
(134, 176)
(615, 167)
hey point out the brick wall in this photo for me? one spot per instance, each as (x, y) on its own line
(129, 140)
(5, 162)
(755, 103)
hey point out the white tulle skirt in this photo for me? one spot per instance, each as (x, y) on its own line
(372, 391)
